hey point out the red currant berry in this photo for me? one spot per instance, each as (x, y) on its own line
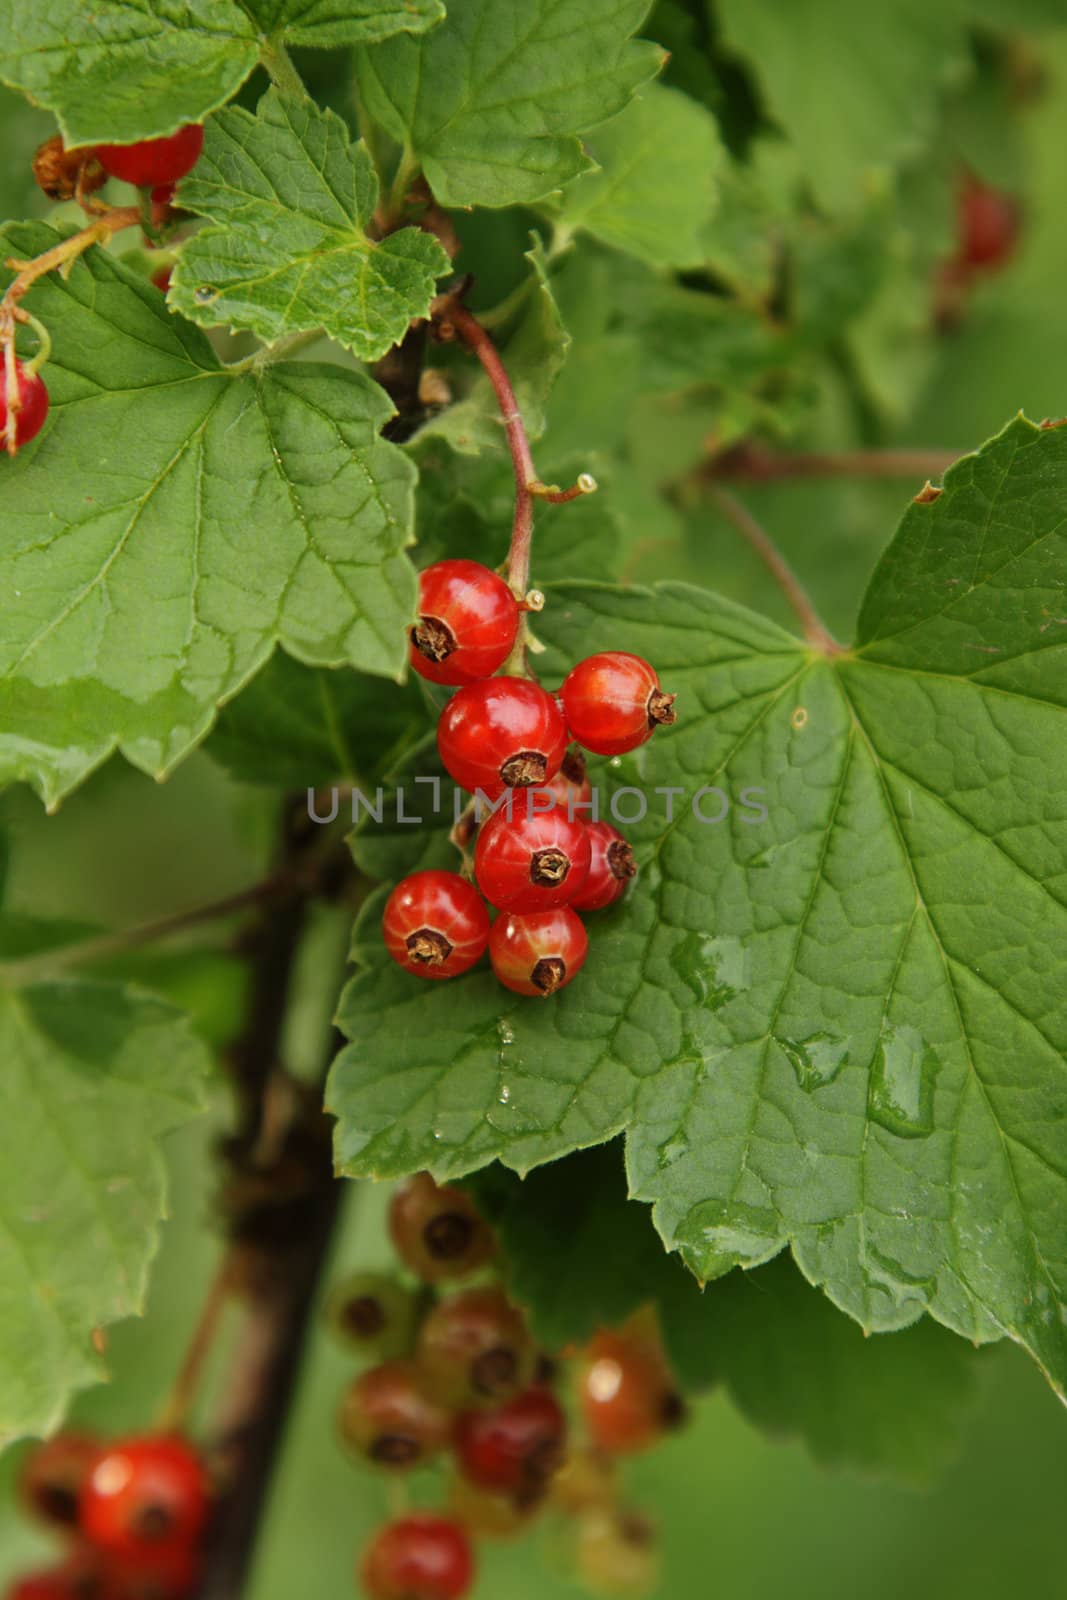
(987, 224)
(611, 866)
(171, 1575)
(145, 1497)
(80, 1577)
(468, 619)
(613, 702)
(514, 1449)
(154, 162)
(421, 1557)
(161, 280)
(437, 1231)
(539, 952)
(374, 1314)
(32, 408)
(476, 1349)
(531, 862)
(389, 1416)
(628, 1397)
(502, 733)
(435, 924)
(570, 788)
(54, 1474)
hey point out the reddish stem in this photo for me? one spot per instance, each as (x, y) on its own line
(815, 630)
(753, 463)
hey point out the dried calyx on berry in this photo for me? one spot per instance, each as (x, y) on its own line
(611, 867)
(502, 733)
(61, 173)
(613, 702)
(437, 1230)
(435, 924)
(531, 860)
(538, 952)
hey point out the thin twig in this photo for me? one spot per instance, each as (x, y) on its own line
(101, 946)
(815, 630)
(754, 463)
(175, 1412)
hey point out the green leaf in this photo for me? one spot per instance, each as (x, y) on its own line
(863, 107)
(841, 1024)
(300, 727)
(290, 197)
(112, 71)
(581, 1256)
(491, 102)
(330, 24)
(654, 209)
(534, 352)
(173, 522)
(98, 1073)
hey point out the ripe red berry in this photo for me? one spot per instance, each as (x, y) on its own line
(374, 1314)
(987, 224)
(468, 619)
(389, 1416)
(437, 1230)
(502, 733)
(539, 952)
(161, 280)
(613, 702)
(169, 1575)
(154, 161)
(531, 862)
(32, 408)
(611, 866)
(420, 1557)
(80, 1577)
(476, 1348)
(435, 924)
(514, 1449)
(53, 1475)
(145, 1497)
(628, 1397)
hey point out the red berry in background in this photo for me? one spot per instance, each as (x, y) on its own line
(476, 1349)
(514, 1449)
(54, 1474)
(437, 1231)
(628, 1397)
(468, 619)
(502, 733)
(537, 952)
(570, 788)
(435, 924)
(987, 224)
(33, 404)
(171, 1575)
(145, 1497)
(79, 1577)
(421, 1557)
(611, 866)
(613, 702)
(389, 1416)
(152, 162)
(161, 280)
(531, 861)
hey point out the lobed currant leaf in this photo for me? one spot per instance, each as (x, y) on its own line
(634, 201)
(840, 1025)
(165, 62)
(288, 196)
(99, 1073)
(331, 24)
(580, 1256)
(491, 103)
(175, 520)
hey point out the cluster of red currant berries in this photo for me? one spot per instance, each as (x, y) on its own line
(460, 1372)
(132, 1514)
(536, 861)
(155, 164)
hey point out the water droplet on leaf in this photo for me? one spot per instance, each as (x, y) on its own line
(901, 1094)
(816, 1060)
